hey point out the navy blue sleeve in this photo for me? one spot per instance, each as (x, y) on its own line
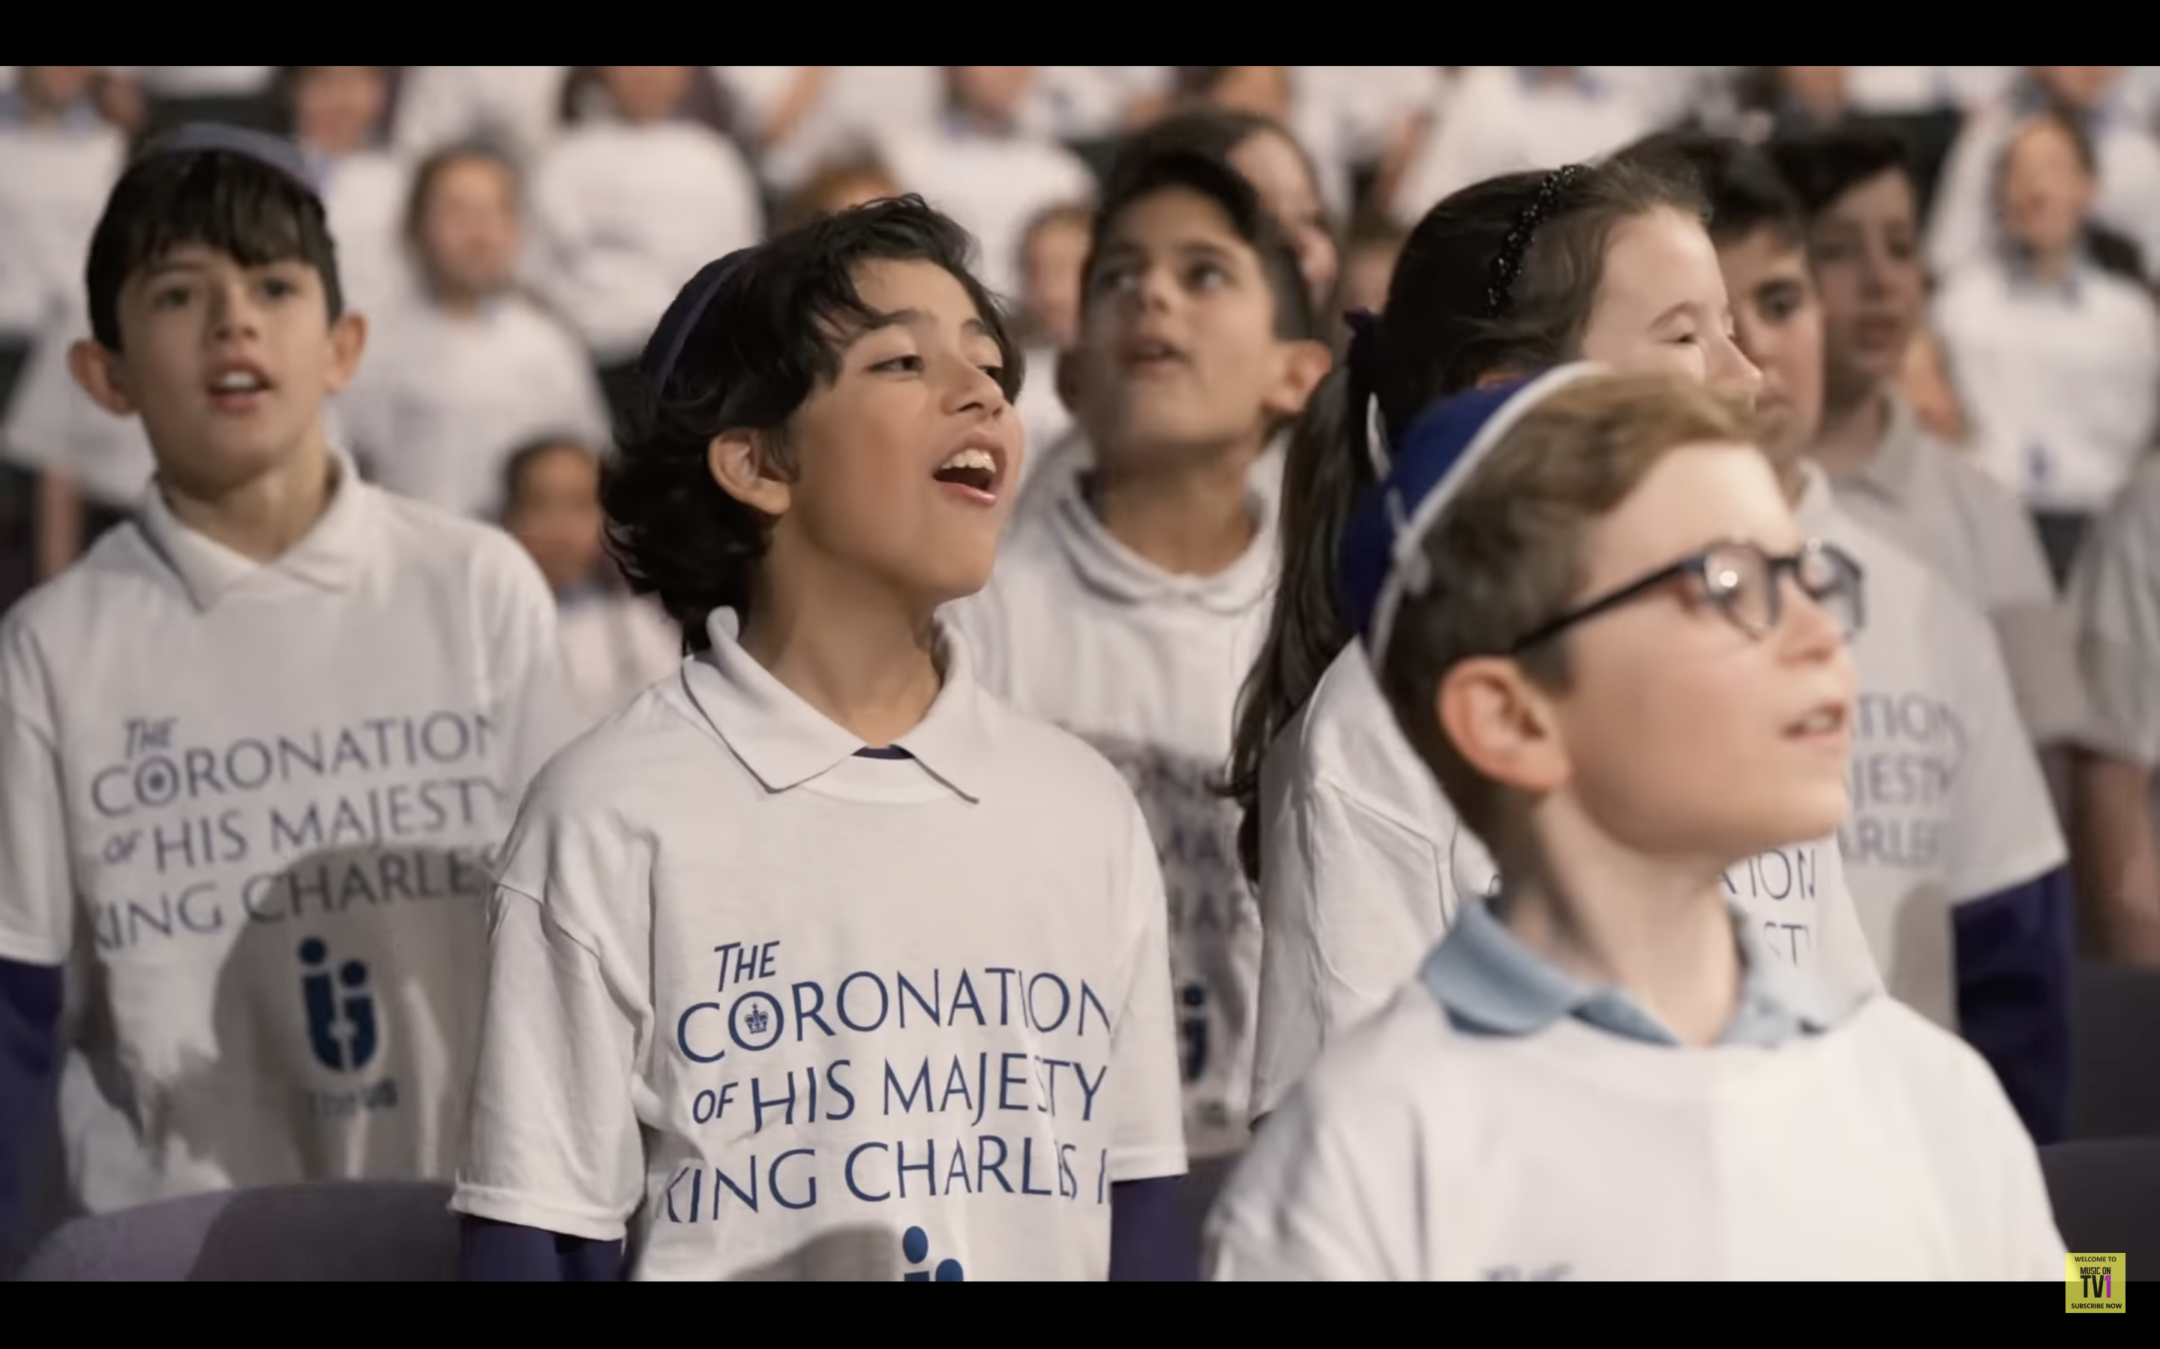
(492, 1252)
(1151, 1237)
(2014, 963)
(29, 1090)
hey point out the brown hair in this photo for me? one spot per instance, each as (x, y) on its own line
(1433, 339)
(1507, 554)
(814, 196)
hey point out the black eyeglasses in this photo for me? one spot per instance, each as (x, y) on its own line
(1743, 583)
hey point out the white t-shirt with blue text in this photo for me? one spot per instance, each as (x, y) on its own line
(775, 1009)
(1948, 801)
(252, 810)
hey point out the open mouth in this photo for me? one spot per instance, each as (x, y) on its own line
(1152, 355)
(1823, 723)
(973, 469)
(238, 385)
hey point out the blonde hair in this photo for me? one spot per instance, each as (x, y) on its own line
(1507, 555)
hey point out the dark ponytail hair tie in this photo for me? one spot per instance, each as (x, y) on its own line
(1507, 264)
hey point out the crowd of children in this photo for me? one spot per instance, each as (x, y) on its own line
(943, 673)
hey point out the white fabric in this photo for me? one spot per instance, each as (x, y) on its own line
(741, 976)
(54, 427)
(857, 104)
(614, 648)
(1498, 120)
(993, 186)
(198, 81)
(1948, 801)
(441, 401)
(1053, 473)
(364, 195)
(2115, 590)
(516, 107)
(626, 215)
(53, 183)
(206, 767)
(1043, 414)
(1146, 666)
(1364, 863)
(1963, 220)
(1944, 509)
(2061, 384)
(1880, 1149)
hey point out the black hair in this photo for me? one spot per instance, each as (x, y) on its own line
(1147, 171)
(2108, 250)
(1433, 339)
(1745, 191)
(532, 452)
(767, 339)
(230, 202)
(1822, 166)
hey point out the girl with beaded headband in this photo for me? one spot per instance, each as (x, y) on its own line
(1359, 860)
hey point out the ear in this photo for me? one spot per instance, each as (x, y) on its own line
(98, 372)
(1303, 365)
(348, 342)
(1503, 725)
(1069, 380)
(737, 463)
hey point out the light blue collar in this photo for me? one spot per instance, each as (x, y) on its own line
(1492, 984)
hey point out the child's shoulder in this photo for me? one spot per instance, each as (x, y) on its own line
(423, 535)
(1050, 758)
(97, 592)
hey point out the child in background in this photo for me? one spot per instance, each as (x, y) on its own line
(805, 117)
(515, 109)
(1597, 620)
(627, 204)
(1963, 223)
(1952, 850)
(258, 747)
(1889, 474)
(1130, 610)
(839, 186)
(2056, 357)
(58, 158)
(819, 464)
(614, 643)
(983, 166)
(339, 116)
(1360, 861)
(1053, 257)
(468, 368)
(1509, 119)
(1279, 171)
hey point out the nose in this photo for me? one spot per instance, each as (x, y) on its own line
(1731, 371)
(233, 311)
(973, 389)
(1811, 630)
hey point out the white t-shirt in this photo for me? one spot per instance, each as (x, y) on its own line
(518, 108)
(52, 426)
(364, 195)
(1146, 666)
(1948, 801)
(856, 105)
(1880, 1148)
(1364, 864)
(2062, 383)
(53, 183)
(1053, 471)
(1947, 511)
(252, 809)
(775, 1009)
(614, 647)
(992, 186)
(2115, 589)
(441, 401)
(199, 81)
(625, 215)
(1503, 119)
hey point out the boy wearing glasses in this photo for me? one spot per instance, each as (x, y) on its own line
(1598, 622)
(1952, 852)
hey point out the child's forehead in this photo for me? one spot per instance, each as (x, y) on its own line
(198, 255)
(1174, 217)
(913, 293)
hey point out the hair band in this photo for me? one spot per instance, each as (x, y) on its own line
(1507, 264)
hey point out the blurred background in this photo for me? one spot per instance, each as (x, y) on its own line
(514, 231)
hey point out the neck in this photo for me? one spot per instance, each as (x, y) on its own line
(458, 301)
(847, 649)
(2050, 265)
(1189, 518)
(1656, 928)
(1852, 430)
(263, 517)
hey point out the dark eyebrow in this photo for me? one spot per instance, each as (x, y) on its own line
(912, 318)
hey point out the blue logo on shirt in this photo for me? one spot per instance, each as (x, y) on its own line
(915, 1245)
(353, 1048)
